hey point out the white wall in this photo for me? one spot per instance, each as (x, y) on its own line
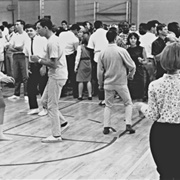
(85, 10)
(164, 11)
(5, 15)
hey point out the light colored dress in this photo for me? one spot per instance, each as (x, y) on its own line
(84, 66)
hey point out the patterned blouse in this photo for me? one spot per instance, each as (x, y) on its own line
(164, 99)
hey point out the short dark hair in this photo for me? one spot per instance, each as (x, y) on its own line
(160, 28)
(136, 36)
(46, 22)
(21, 21)
(2, 28)
(98, 24)
(10, 25)
(113, 29)
(142, 28)
(151, 24)
(30, 26)
(65, 22)
(111, 35)
(75, 27)
(5, 23)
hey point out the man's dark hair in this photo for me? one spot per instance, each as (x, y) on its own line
(160, 28)
(46, 22)
(142, 28)
(75, 27)
(113, 29)
(10, 25)
(2, 28)
(151, 24)
(21, 21)
(65, 22)
(5, 23)
(30, 26)
(98, 24)
(111, 35)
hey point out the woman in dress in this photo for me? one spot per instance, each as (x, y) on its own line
(138, 54)
(83, 67)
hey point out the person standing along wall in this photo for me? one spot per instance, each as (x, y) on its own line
(19, 62)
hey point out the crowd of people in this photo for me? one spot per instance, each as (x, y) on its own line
(113, 61)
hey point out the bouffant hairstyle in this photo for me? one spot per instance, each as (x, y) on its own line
(136, 36)
(170, 57)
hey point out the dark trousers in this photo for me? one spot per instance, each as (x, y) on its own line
(71, 74)
(9, 64)
(20, 73)
(165, 148)
(35, 80)
(94, 79)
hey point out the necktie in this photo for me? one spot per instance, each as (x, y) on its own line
(31, 46)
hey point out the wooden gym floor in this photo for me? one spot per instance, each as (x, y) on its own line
(85, 152)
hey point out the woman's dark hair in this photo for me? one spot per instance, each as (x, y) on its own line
(136, 36)
(174, 27)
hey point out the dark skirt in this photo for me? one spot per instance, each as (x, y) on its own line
(137, 85)
(165, 148)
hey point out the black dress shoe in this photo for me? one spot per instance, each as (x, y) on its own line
(80, 98)
(89, 98)
(107, 130)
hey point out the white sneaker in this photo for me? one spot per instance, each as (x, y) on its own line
(33, 111)
(14, 97)
(43, 112)
(26, 99)
(51, 139)
(64, 127)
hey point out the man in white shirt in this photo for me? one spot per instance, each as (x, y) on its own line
(37, 72)
(146, 42)
(70, 42)
(97, 42)
(58, 74)
(5, 31)
(19, 63)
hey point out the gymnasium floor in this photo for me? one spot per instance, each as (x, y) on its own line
(84, 153)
